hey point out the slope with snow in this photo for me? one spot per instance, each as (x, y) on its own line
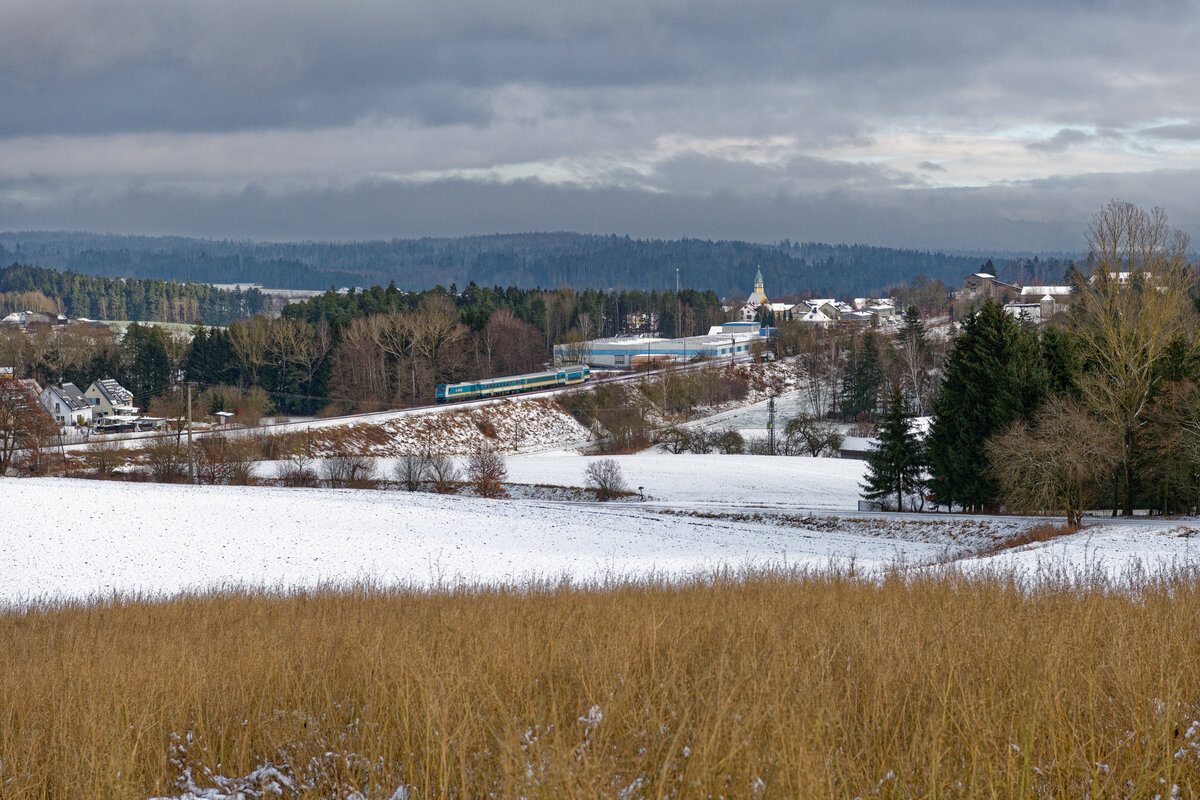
(811, 483)
(81, 538)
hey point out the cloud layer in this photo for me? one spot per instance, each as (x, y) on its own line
(907, 123)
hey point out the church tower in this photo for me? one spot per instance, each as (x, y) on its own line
(759, 295)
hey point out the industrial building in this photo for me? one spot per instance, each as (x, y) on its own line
(627, 352)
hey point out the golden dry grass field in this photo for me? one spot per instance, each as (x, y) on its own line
(766, 685)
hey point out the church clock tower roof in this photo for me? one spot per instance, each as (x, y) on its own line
(759, 296)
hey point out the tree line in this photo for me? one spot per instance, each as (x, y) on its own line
(1101, 412)
(523, 260)
(24, 287)
(360, 351)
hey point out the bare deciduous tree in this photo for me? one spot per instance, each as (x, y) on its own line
(674, 439)
(358, 373)
(412, 470)
(1057, 465)
(810, 436)
(486, 470)
(729, 442)
(223, 460)
(299, 467)
(438, 339)
(23, 421)
(105, 456)
(345, 470)
(444, 474)
(511, 346)
(298, 344)
(818, 368)
(250, 340)
(1135, 304)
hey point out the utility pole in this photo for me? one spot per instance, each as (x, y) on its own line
(191, 464)
(771, 425)
(732, 349)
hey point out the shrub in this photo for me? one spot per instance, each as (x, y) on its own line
(759, 446)
(166, 459)
(729, 442)
(223, 460)
(674, 439)
(412, 470)
(299, 468)
(701, 441)
(104, 457)
(604, 476)
(348, 470)
(212, 459)
(444, 474)
(249, 405)
(486, 471)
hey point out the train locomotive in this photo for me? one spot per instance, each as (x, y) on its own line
(511, 384)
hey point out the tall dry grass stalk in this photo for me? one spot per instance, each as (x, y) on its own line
(768, 685)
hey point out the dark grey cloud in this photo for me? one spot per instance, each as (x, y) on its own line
(1061, 141)
(1184, 133)
(79, 66)
(912, 123)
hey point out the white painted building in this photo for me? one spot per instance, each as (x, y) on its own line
(67, 405)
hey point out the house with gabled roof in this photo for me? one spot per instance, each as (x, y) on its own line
(109, 398)
(67, 405)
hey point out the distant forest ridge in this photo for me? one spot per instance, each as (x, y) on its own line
(526, 260)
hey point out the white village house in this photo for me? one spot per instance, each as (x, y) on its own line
(67, 405)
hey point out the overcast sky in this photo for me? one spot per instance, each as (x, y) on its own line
(934, 125)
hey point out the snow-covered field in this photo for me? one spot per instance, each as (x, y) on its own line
(72, 539)
(1119, 551)
(80, 538)
(811, 483)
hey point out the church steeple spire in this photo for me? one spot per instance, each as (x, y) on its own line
(759, 296)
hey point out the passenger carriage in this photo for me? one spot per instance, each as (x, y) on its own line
(512, 384)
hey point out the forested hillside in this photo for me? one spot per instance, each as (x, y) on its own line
(147, 299)
(519, 260)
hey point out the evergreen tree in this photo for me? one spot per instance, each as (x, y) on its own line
(898, 466)
(1062, 361)
(862, 378)
(913, 330)
(147, 369)
(994, 375)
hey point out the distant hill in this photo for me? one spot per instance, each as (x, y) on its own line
(523, 260)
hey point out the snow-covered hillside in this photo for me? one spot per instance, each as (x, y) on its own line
(80, 538)
(72, 539)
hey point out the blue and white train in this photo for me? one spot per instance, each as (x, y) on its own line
(494, 387)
